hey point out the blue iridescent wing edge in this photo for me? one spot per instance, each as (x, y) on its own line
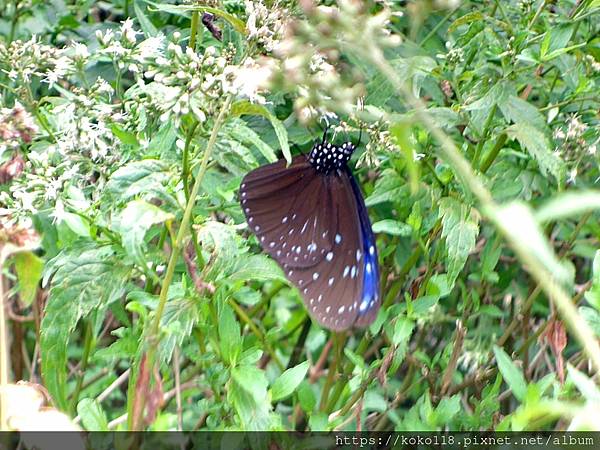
(370, 300)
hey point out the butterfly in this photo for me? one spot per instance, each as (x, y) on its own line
(311, 218)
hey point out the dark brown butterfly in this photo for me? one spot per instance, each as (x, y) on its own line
(311, 218)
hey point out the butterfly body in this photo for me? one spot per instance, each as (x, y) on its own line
(311, 218)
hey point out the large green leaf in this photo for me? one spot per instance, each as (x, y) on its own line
(146, 178)
(134, 221)
(84, 278)
(536, 144)
(460, 227)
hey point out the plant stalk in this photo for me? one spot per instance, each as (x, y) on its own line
(177, 246)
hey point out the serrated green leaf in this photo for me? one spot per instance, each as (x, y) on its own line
(536, 144)
(134, 221)
(460, 228)
(230, 336)
(28, 268)
(145, 178)
(511, 373)
(288, 381)
(243, 107)
(92, 416)
(84, 279)
(519, 111)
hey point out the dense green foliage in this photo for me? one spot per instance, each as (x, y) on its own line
(137, 296)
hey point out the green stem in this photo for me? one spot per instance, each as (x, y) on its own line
(87, 349)
(330, 375)
(493, 153)
(259, 334)
(486, 130)
(183, 229)
(194, 29)
(437, 27)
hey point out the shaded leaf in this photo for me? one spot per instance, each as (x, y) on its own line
(288, 381)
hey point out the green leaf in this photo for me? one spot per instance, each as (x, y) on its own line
(147, 26)
(243, 107)
(256, 267)
(460, 228)
(28, 268)
(536, 144)
(519, 111)
(403, 328)
(125, 137)
(567, 205)
(230, 336)
(511, 373)
(134, 221)
(248, 394)
(289, 380)
(306, 397)
(92, 415)
(145, 177)
(221, 241)
(389, 187)
(162, 142)
(84, 279)
(393, 227)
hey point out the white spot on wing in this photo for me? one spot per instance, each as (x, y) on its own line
(316, 276)
(329, 256)
(338, 238)
(353, 272)
(331, 280)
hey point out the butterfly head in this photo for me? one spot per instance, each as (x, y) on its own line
(326, 157)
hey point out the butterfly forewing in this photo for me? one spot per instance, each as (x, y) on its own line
(315, 225)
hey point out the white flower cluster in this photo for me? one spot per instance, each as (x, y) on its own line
(573, 146)
(22, 61)
(266, 26)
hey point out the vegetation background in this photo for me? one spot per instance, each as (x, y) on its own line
(134, 296)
